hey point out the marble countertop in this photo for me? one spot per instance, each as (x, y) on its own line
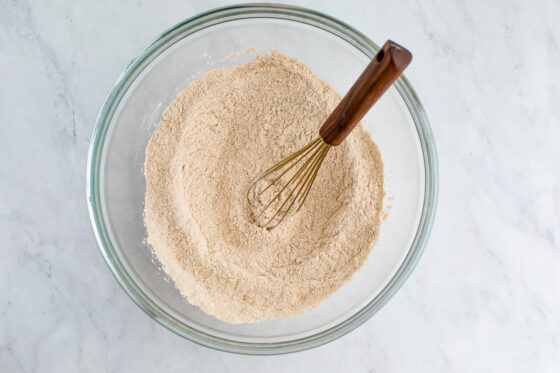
(486, 293)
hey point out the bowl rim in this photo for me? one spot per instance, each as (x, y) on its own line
(113, 99)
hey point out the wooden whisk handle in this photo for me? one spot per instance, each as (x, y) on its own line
(387, 65)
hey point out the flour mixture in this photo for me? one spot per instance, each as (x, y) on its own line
(221, 132)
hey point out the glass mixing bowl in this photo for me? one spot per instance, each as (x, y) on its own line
(337, 53)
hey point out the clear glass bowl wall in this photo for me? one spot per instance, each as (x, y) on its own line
(337, 54)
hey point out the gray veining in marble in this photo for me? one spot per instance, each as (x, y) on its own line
(486, 294)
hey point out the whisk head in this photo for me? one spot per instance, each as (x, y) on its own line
(281, 190)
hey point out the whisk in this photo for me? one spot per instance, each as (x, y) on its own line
(281, 190)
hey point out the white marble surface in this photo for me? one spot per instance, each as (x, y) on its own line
(486, 294)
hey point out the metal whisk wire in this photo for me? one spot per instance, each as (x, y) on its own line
(291, 194)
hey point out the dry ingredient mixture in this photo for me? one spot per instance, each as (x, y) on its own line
(222, 131)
